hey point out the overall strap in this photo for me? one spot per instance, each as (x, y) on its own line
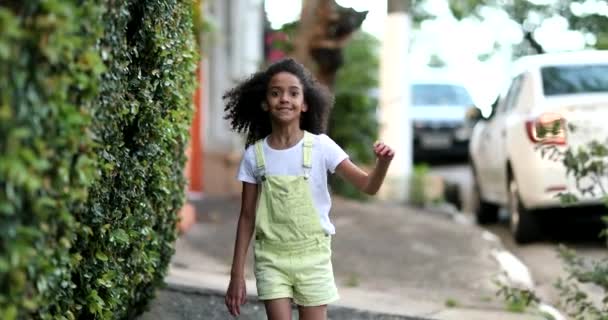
(307, 153)
(260, 165)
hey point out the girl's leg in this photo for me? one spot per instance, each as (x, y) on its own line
(278, 309)
(313, 313)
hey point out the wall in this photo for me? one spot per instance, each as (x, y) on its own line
(234, 52)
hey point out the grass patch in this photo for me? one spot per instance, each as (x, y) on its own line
(516, 306)
(451, 303)
(353, 280)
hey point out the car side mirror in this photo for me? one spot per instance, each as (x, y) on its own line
(473, 115)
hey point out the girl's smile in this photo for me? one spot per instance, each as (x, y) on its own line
(285, 98)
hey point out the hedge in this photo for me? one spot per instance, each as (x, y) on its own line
(95, 103)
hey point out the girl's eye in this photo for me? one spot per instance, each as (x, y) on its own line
(274, 93)
(294, 94)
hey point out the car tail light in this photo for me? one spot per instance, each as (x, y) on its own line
(548, 128)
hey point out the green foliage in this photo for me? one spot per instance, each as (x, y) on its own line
(201, 28)
(588, 165)
(284, 42)
(436, 62)
(353, 280)
(582, 271)
(49, 80)
(529, 14)
(463, 8)
(451, 303)
(94, 113)
(517, 299)
(602, 41)
(353, 123)
(418, 196)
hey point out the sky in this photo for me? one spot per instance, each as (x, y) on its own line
(459, 47)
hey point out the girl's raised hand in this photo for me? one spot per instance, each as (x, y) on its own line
(383, 152)
(236, 295)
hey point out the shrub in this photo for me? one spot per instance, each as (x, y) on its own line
(94, 113)
(49, 70)
(588, 165)
(418, 195)
(353, 123)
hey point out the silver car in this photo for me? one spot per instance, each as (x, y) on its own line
(443, 115)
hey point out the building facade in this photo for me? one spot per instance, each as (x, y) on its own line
(233, 49)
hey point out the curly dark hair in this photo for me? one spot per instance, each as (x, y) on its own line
(243, 102)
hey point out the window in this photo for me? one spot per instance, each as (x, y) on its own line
(574, 79)
(440, 95)
(511, 98)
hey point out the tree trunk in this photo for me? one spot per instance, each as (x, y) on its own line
(323, 31)
(398, 6)
(305, 33)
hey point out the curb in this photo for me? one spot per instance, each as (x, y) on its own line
(518, 275)
(515, 272)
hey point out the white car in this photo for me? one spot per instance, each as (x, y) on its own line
(559, 90)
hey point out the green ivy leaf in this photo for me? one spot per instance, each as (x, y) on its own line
(567, 198)
(101, 256)
(121, 236)
(94, 303)
(10, 313)
(30, 304)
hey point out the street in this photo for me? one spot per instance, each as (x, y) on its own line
(541, 258)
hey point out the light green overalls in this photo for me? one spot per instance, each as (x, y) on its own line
(292, 251)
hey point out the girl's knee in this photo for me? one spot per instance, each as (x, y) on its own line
(313, 313)
(278, 309)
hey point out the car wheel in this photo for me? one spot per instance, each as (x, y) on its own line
(485, 213)
(523, 222)
(452, 195)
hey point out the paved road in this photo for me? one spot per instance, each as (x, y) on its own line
(541, 258)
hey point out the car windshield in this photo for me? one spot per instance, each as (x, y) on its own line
(440, 95)
(575, 79)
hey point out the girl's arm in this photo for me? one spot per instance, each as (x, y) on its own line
(368, 183)
(245, 228)
(237, 292)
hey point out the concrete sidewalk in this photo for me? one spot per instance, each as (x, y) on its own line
(190, 302)
(394, 262)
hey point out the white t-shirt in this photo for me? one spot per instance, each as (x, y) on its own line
(326, 155)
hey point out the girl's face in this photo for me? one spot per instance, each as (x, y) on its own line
(285, 98)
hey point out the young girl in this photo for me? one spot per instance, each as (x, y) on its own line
(285, 200)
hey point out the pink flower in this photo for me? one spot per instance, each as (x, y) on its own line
(275, 55)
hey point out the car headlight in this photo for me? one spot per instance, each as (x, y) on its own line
(419, 125)
(463, 133)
